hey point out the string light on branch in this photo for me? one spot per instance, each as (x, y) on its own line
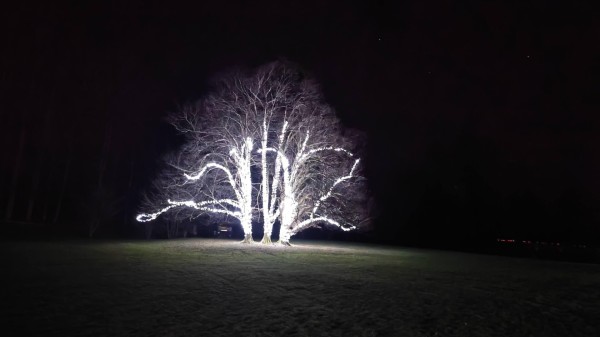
(302, 153)
(196, 205)
(338, 181)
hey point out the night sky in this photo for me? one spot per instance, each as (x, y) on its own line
(482, 116)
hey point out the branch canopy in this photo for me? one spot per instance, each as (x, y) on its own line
(264, 146)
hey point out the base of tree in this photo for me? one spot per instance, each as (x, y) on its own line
(266, 240)
(284, 243)
(248, 239)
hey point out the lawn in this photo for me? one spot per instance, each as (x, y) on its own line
(202, 287)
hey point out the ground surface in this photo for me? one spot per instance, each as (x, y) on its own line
(222, 288)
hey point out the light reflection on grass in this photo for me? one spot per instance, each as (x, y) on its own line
(224, 288)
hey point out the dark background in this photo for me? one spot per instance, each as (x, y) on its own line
(481, 115)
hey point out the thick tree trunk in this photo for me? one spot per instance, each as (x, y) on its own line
(248, 238)
(267, 226)
(266, 240)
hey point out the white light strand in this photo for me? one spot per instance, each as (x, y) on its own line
(267, 222)
(195, 205)
(305, 223)
(338, 181)
(276, 174)
(151, 216)
(303, 147)
(222, 168)
(269, 199)
(325, 148)
(283, 130)
(245, 199)
(303, 156)
(288, 206)
(284, 161)
(191, 203)
(300, 155)
(236, 215)
(243, 194)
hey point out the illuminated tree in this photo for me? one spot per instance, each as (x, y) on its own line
(308, 174)
(166, 187)
(212, 172)
(320, 177)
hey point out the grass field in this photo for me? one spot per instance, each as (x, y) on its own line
(198, 287)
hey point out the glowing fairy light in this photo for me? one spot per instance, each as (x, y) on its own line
(338, 181)
(287, 210)
(220, 167)
(192, 204)
(303, 147)
(284, 161)
(322, 219)
(152, 216)
(242, 191)
(288, 205)
(325, 148)
(290, 224)
(297, 136)
(270, 213)
(245, 200)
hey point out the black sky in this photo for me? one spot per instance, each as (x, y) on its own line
(482, 115)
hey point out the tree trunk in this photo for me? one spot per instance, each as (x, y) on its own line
(33, 194)
(93, 226)
(266, 240)
(148, 227)
(168, 228)
(127, 216)
(45, 209)
(248, 238)
(105, 154)
(267, 227)
(16, 172)
(63, 188)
